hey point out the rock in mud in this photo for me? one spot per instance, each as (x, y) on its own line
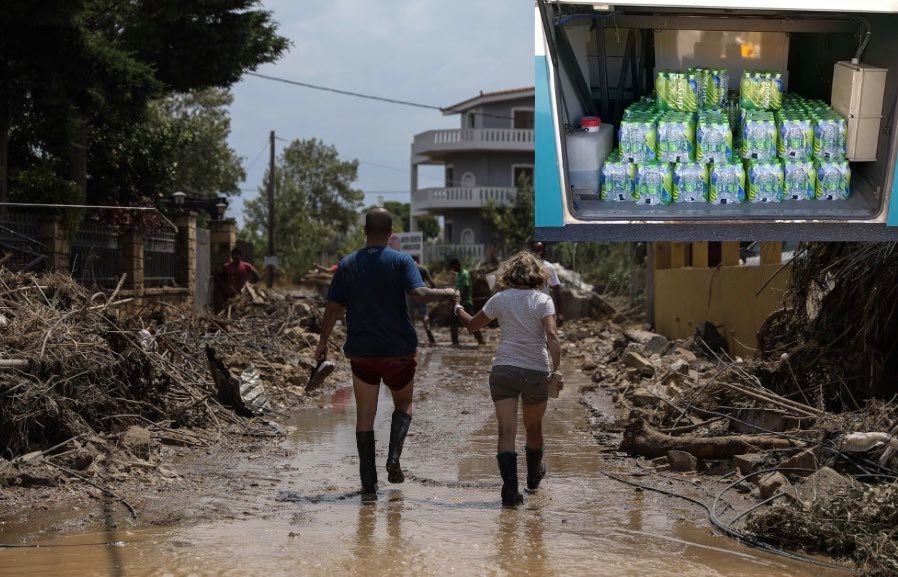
(641, 397)
(636, 361)
(769, 484)
(806, 459)
(749, 463)
(824, 483)
(681, 461)
(680, 367)
(138, 441)
(82, 459)
(652, 343)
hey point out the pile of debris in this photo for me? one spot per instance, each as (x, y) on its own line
(83, 378)
(687, 407)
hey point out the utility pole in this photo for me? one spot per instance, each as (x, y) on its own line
(270, 261)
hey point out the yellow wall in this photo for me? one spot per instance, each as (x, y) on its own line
(725, 296)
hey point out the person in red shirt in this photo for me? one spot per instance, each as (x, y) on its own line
(237, 273)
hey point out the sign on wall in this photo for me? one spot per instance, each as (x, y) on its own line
(411, 243)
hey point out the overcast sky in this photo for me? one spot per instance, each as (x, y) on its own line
(430, 51)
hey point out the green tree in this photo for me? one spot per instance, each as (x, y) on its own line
(400, 212)
(181, 144)
(205, 164)
(78, 75)
(513, 224)
(429, 226)
(315, 205)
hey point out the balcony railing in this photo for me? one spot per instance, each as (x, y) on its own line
(435, 141)
(467, 253)
(461, 197)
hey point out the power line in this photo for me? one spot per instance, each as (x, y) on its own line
(257, 157)
(346, 92)
(384, 166)
(367, 96)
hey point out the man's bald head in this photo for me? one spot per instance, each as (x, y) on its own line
(378, 223)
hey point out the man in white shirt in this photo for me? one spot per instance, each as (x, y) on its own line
(554, 288)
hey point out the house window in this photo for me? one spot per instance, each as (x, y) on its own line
(519, 171)
(522, 118)
(447, 231)
(450, 175)
(468, 180)
(467, 236)
(472, 120)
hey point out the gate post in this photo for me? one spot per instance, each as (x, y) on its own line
(185, 251)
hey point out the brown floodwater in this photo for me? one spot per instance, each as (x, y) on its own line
(307, 518)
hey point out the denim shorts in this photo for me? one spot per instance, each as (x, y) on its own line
(508, 382)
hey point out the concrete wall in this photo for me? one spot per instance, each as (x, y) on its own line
(489, 169)
(729, 295)
(496, 115)
(471, 218)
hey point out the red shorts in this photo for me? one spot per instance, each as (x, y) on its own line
(396, 372)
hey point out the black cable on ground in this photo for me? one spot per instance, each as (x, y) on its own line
(743, 538)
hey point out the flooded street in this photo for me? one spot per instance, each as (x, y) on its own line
(306, 517)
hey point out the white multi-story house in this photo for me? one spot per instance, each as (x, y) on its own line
(483, 159)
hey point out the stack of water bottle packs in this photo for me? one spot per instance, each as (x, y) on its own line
(696, 142)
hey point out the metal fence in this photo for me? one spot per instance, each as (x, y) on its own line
(159, 259)
(468, 253)
(93, 257)
(18, 238)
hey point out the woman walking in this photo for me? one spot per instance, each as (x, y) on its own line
(526, 364)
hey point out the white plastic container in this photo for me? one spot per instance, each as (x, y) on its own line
(587, 150)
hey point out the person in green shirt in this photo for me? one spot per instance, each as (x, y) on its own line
(465, 287)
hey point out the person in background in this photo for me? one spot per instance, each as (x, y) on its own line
(332, 269)
(465, 287)
(237, 273)
(370, 286)
(553, 287)
(419, 310)
(526, 364)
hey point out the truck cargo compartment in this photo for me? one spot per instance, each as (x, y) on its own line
(606, 58)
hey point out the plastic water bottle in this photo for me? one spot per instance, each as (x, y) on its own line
(587, 150)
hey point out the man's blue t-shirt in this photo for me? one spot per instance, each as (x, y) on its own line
(372, 283)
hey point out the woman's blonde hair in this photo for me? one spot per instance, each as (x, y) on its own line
(524, 269)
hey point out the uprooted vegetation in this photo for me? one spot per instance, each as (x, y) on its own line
(78, 372)
(834, 342)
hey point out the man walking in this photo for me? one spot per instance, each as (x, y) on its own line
(370, 286)
(465, 287)
(553, 289)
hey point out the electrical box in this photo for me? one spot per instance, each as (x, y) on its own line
(857, 95)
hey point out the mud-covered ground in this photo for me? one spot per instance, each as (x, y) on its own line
(290, 505)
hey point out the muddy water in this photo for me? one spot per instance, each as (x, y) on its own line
(307, 519)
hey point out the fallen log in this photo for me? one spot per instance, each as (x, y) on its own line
(641, 439)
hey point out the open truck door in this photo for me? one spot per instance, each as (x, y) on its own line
(774, 120)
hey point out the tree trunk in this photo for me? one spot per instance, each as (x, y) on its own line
(640, 439)
(4, 155)
(78, 155)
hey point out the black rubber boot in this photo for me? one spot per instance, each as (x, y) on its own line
(430, 338)
(367, 468)
(453, 332)
(398, 431)
(536, 469)
(508, 469)
(479, 336)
